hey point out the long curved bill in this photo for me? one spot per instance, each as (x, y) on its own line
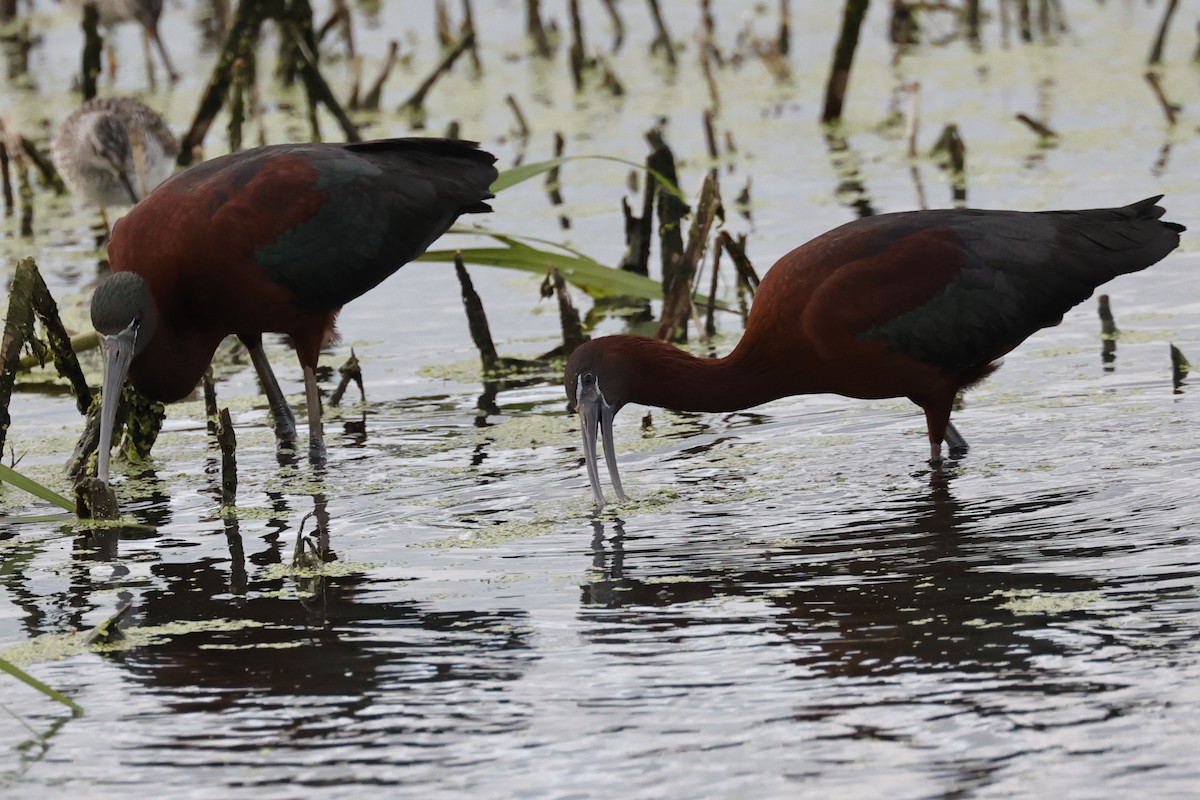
(118, 354)
(596, 415)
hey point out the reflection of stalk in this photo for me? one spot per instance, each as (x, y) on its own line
(661, 37)
(553, 186)
(228, 443)
(1157, 50)
(843, 57)
(535, 29)
(1169, 108)
(1179, 367)
(1108, 333)
(954, 159)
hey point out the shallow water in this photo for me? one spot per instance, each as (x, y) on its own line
(791, 605)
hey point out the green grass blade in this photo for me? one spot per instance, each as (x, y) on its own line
(519, 174)
(586, 273)
(26, 678)
(9, 475)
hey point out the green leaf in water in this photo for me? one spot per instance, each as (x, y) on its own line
(10, 475)
(584, 272)
(519, 174)
(26, 678)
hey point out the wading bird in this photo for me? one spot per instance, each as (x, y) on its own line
(275, 239)
(112, 151)
(918, 304)
(145, 13)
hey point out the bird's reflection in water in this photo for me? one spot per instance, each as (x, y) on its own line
(917, 592)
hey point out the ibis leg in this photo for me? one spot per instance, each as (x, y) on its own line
(316, 434)
(937, 421)
(954, 439)
(285, 423)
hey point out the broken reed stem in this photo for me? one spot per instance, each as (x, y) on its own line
(609, 79)
(843, 58)
(237, 104)
(914, 118)
(783, 42)
(572, 328)
(315, 82)
(6, 181)
(210, 402)
(618, 24)
(671, 211)
(227, 440)
(1025, 20)
(971, 16)
(639, 231)
(535, 29)
(29, 297)
(1108, 326)
(1041, 129)
(710, 81)
(578, 61)
(710, 137)
(954, 158)
(710, 322)
(680, 277)
(17, 158)
(18, 327)
(477, 322)
(1156, 51)
(371, 101)
(1169, 108)
(350, 371)
(339, 11)
(468, 27)
(1179, 366)
(44, 164)
(522, 125)
(241, 38)
(415, 103)
(346, 24)
(442, 23)
(662, 39)
(93, 47)
(553, 186)
(737, 251)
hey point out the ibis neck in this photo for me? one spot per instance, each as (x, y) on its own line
(675, 379)
(172, 364)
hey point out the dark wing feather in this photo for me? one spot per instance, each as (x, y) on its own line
(381, 205)
(1020, 272)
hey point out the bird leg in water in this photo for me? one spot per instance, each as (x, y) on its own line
(316, 433)
(153, 35)
(285, 423)
(954, 440)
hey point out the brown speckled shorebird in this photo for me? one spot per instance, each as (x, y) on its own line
(113, 150)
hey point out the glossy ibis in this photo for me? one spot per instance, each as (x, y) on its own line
(112, 151)
(918, 304)
(274, 239)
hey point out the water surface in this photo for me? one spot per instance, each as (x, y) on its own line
(791, 605)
